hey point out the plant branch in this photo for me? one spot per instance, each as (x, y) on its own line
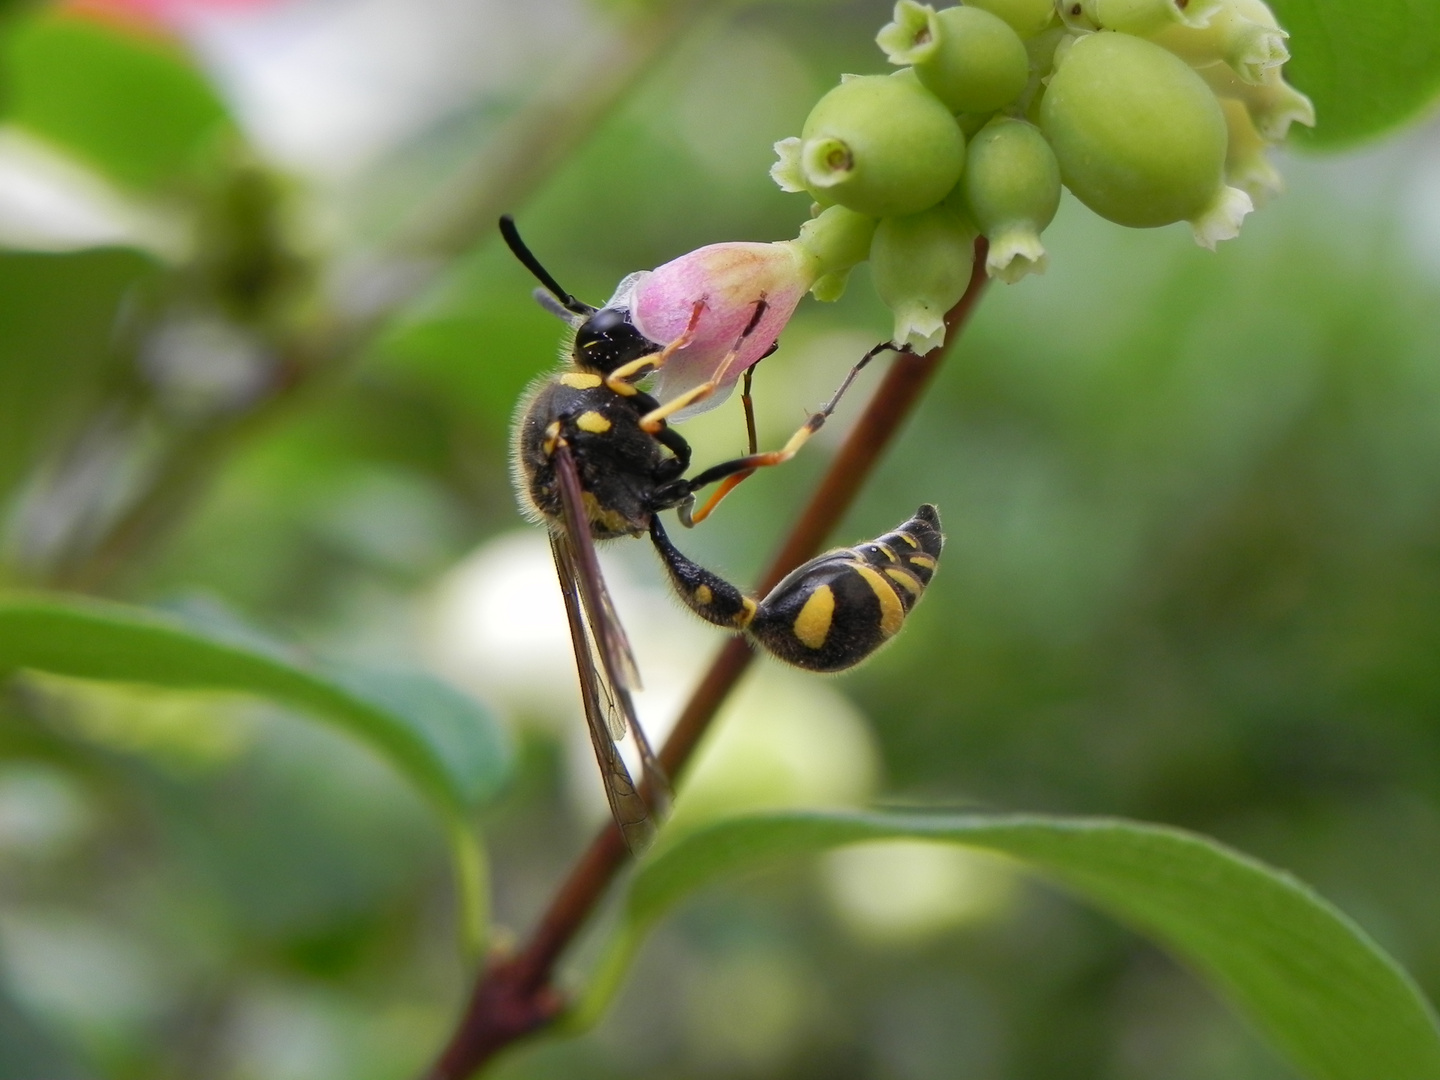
(514, 996)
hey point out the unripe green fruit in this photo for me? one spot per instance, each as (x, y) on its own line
(968, 58)
(1147, 16)
(1139, 137)
(879, 145)
(921, 266)
(1026, 17)
(839, 239)
(1012, 189)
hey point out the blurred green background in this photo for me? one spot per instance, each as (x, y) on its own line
(1192, 576)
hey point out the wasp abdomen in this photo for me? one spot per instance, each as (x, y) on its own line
(836, 610)
(830, 613)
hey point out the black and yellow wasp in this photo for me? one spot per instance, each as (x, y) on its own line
(594, 458)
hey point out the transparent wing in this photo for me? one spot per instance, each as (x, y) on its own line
(603, 659)
(627, 805)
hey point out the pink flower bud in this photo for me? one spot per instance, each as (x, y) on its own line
(730, 279)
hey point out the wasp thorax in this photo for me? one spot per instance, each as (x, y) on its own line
(879, 145)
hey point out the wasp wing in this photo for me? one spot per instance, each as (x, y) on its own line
(597, 635)
(628, 807)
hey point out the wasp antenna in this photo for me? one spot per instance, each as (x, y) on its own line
(553, 306)
(531, 263)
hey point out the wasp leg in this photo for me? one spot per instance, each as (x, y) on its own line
(749, 403)
(752, 442)
(733, 473)
(673, 441)
(653, 420)
(836, 610)
(621, 380)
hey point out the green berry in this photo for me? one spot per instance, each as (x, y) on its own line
(1147, 16)
(879, 145)
(1012, 189)
(921, 266)
(839, 239)
(968, 58)
(1026, 17)
(1139, 137)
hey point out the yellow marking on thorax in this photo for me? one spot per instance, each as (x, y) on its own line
(703, 595)
(924, 561)
(746, 615)
(812, 625)
(580, 380)
(552, 438)
(892, 612)
(593, 422)
(905, 580)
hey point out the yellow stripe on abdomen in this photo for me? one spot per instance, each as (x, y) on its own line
(892, 612)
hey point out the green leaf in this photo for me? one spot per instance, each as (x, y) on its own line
(57, 313)
(1305, 975)
(130, 103)
(1367, 66)
(453, 750)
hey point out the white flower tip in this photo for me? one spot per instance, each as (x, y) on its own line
(1257, 177)
(786, 170)
(1221, 220)
(824, 162)
(1016, 253)
(1260, 50)
(1283, 107)
(912, 36)
(920, 327)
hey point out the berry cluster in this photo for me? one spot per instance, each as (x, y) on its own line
(1149, 111)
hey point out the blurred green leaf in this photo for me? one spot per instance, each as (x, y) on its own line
(56, 317)
(452, 749)
(1301, 971)
(131, 104)
(1367, 67)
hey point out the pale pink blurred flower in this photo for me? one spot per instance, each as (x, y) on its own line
(159, 14)
(731, 279)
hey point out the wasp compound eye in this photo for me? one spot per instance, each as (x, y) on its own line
(608, 339)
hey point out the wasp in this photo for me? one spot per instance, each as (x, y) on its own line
(595, 458)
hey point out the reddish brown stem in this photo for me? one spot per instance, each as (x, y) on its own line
(513, 995)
